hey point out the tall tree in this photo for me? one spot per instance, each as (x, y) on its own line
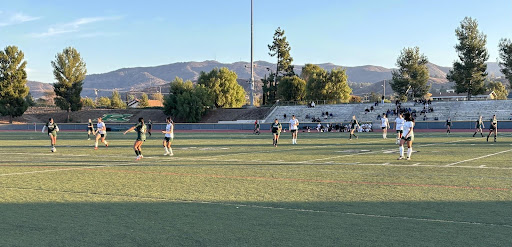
(116, 101)
(324, 85)
(69, 70)
(505, 58)
(13, 80)
(223, 87)
(468, 72)
(281, 48)
(412, 74)
(292, 88)
(499, 89)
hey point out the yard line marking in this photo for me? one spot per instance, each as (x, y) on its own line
(481, 157)
(300, 210)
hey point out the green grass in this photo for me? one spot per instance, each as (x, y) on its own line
(236, 189)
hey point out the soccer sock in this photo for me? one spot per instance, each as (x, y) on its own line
(350, 136)
(166, 150)
(96, 144)
(474, 134)
(401, 148)
(170, 150)
(409, 152)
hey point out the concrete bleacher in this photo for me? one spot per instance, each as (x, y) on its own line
(342, 113)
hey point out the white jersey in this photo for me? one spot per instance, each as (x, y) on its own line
(168, 129)
(399, 123)
(294, 124)
(408, 127)
(101, 128)
(385, 122)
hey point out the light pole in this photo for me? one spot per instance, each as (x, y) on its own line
(251, 96)
(384, 93)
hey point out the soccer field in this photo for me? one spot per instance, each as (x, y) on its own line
(236, 189)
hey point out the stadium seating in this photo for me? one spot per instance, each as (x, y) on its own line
(342, 113)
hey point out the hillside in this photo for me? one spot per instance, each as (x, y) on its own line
(152, 79)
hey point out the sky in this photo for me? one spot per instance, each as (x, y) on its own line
(112, 34)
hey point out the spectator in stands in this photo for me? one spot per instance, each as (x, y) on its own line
(371, 108)
(312, 104)
(307, 116)
(330, 115)
(284, 116)
(378, 117)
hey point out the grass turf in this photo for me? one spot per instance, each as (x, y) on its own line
(236, 189)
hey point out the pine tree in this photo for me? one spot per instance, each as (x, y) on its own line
(469, 72)
(13, 80)
(412, 74)
(69, 70)
(505, 58)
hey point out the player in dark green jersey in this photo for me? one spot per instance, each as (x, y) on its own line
(493, 129)
(479, 127)
(141, 130)
(276, 131)
(52, 128)
(354, 124)
(90, 130)
(448, 125)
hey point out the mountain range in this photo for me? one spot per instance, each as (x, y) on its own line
(157, 78)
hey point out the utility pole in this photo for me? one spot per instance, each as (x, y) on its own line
(251, 96)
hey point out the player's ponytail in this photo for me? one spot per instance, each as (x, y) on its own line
(141, 120)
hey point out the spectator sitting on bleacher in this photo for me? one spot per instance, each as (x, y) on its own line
(330, 115)
(307, 116)
(312, 104)
(378, 117)
(371, 108)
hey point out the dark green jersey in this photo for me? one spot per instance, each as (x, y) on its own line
(141, 128)
(52, 127)
(276, 127)
(354, 123)
(448, 123)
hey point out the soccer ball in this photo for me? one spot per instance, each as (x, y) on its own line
(53, 150)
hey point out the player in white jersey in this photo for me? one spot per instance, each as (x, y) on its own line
(385, 126)
(169, 136)
(294, 128)
(101, 132)
(399, 127)
(408, 136)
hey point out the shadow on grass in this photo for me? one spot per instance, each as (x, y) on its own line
(256, 224)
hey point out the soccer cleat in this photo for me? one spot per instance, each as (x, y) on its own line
(166, 154)
(408, 158)
(171, 154)
(106, 144)
(138, 158)
(400, 158)
(88, 139)
(95, 148)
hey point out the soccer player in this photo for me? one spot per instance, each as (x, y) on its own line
(169, 136)
(90, 130)
(294, 128)
(141, 129)
(149, 127)
(385, 126)
(493, 128)
(101, 132)
(448, 125)
(256, 127)
(276, 131)
(408, 136)
(52, 133)
(479, 126)
(399, 127)
(353, 125)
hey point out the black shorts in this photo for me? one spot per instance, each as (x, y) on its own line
(400, 131)
(293, 131)
(383, 128)
(167, 139)
(408, 139)
(90, 129)
(102, 135)
(492, 128)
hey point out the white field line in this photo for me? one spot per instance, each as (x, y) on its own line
(299, 210)
(481, 157)
(52, 170)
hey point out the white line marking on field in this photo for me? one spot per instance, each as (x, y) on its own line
(481, 157)
(274, 208)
